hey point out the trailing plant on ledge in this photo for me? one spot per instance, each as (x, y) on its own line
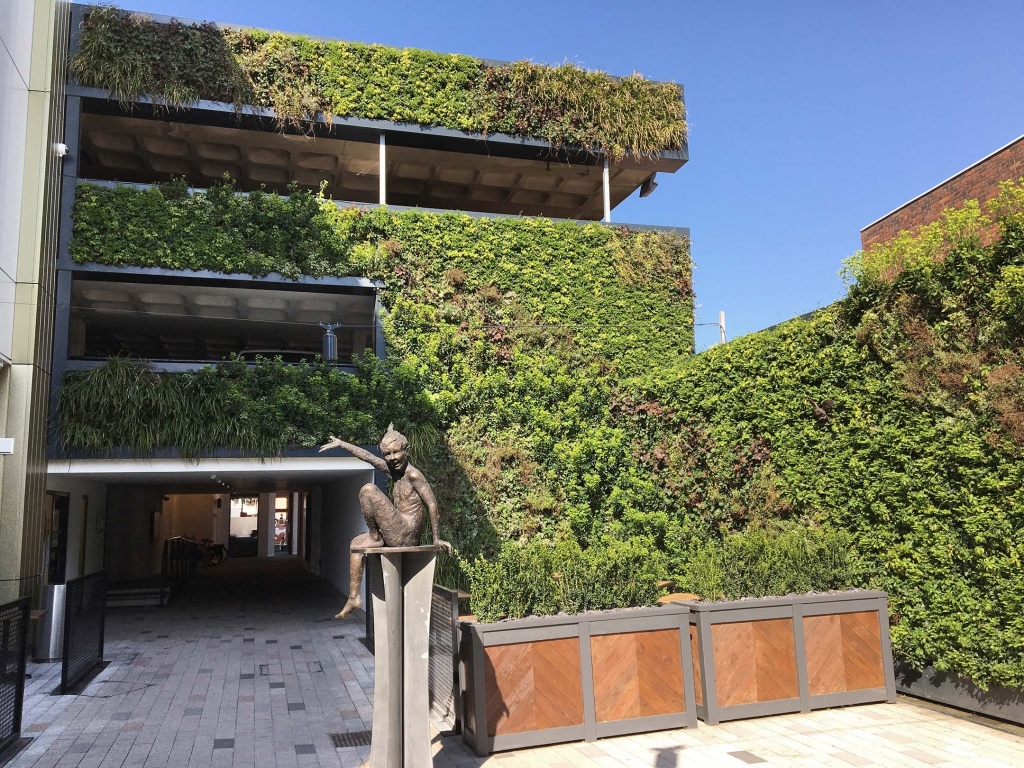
(302, 79)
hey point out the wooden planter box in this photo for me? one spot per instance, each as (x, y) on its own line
(790, 654)
(565, 678)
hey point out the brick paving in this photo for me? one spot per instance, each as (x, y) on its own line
(252, 670)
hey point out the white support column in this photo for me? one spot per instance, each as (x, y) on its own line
(383, 172)
(293, 522)
(606, 183)
(721, 327)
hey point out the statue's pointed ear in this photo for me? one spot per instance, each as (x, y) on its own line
(391, 427)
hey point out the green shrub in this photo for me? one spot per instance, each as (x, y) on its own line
(538, 578)
(761, 563)
(896, 415)
(302, 78)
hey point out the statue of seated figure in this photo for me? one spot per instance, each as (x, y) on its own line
(397, 524)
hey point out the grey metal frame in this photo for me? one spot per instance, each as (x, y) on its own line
(584, 626)
(951, 689)
(796, 607)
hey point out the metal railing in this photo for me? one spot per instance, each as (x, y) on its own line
(85, 600)
(443, 680)
(13, 632)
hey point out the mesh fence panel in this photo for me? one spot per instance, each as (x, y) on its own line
(368, 607)
(13, 628)
(443, 678)
(83, 628)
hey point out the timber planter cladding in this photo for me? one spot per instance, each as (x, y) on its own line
(564, 678)
(790, 654)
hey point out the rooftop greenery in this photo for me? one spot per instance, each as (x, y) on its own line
(302, 78)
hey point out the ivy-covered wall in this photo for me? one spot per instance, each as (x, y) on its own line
(301, 78)
(505, 337)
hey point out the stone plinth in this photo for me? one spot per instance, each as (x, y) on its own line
(402, 580)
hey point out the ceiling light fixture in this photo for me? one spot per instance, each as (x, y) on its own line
(330, 352)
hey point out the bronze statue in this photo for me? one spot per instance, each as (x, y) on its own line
(397, 524)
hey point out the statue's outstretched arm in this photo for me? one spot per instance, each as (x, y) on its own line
(379, 464)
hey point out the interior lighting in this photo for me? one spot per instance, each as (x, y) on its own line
(330, 352)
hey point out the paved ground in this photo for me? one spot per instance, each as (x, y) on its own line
(253, 671)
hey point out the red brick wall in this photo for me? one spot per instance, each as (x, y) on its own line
(979, 182)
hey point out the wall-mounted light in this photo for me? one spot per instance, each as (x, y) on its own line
(648, 186)
(330, 352)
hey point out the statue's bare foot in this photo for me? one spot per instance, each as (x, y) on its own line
(353, 604)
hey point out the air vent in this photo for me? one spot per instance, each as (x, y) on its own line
(353, 739)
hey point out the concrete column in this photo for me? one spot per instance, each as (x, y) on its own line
(265, 526)
(293, 522)
(402, 584)
(386, 741)
(314, 531)
(383, 165)
(417, 589)
(221, 518)
(607, 189)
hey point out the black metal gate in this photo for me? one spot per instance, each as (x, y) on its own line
(443, 680)
(13, 629)
(84, 601)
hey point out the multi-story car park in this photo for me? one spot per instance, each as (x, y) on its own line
(114, 509)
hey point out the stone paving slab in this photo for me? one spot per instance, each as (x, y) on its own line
(260, 674)
(908, 734)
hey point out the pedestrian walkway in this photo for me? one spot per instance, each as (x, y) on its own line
(251, 669)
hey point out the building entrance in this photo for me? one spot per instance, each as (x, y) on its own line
(303, 509)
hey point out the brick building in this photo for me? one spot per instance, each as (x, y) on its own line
(978, 182)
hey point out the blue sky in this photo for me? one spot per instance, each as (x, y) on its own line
(809, 119)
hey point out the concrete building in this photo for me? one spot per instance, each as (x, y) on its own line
(33, 56)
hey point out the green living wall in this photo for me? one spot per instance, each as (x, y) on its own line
(505, 337)
(895, 416)
(302, 78)
(583, 453)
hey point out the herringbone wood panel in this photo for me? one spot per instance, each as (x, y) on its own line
(844, 652)
(533, 686)
(775, 657)
(754, 661)
(823, 641)
(637, 674)
(735, 669)
(862, 650)
(695, 656)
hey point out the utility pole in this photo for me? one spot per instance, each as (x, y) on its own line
(721, 327)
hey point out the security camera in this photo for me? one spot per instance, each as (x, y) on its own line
(60, 149)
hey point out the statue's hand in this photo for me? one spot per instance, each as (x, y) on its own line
(446, 546)
(332, 443)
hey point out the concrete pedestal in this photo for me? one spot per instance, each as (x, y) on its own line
(402, 580)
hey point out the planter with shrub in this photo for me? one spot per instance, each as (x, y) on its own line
(544, 680)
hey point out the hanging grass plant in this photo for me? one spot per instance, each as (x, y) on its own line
(303, 79)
